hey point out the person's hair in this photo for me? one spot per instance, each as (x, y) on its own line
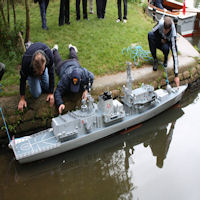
(167, 23)
(39, 60)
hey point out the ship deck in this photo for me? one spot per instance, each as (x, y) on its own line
(30, 145)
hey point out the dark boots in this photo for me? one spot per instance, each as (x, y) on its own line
(155, 64)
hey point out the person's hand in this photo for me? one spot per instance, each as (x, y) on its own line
(84, 95)
(50, 98)
(22, 103)
(176, 80)
(61, 108)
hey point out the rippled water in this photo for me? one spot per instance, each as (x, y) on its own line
(158, 160)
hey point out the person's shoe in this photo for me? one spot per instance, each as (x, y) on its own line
(155, 65)
(165, 64)
(125, 21)
(67, 22)
(91, 12)
(55, 48)
(61, 24)
(71, 46)
(28, 44)
(118, 20)
(45, 28)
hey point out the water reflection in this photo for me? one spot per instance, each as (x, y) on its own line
(160, 144)
(105, 165)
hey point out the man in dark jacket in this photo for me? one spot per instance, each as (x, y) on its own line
(163, 37)
(73, 77)
(37, 68)
(43, 8)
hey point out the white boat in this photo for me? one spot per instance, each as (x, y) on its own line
(187, 23)
(95, 121)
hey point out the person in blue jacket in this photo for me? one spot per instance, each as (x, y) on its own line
(73, 77)
(37, 67)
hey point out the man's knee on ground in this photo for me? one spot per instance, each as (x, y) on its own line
(36, 94)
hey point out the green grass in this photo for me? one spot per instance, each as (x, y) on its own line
(99, 42)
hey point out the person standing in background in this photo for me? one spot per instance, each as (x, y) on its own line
(64, 12)
(91, 6)
(43, 8)
(101, 8)
(84, 4)
(120, 11)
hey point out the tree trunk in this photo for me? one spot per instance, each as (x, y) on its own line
(21, 42)
(2, 12)
(27, 37)
(8, 13)
(14, 13)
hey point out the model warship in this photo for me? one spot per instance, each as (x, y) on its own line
(95, 121)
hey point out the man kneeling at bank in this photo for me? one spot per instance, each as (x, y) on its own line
(73, 77)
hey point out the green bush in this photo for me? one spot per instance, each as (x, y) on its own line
(9, 37)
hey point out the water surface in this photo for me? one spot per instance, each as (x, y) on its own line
(158, 160)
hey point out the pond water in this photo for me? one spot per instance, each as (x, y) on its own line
(158, 160)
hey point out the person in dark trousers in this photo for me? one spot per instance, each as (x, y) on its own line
(43, 8)
(101, 8)
(64, 12)
(163, 37)
(84, 4)
(2, 70)
(91, 6)
(37, 67)
(158, 3)
(119, 2)
(73, 77)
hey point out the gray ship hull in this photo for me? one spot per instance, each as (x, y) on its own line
(45, 144)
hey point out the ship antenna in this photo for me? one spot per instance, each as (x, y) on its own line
(89, 86)
(129, 77)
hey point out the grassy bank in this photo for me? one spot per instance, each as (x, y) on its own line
(99, 42)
